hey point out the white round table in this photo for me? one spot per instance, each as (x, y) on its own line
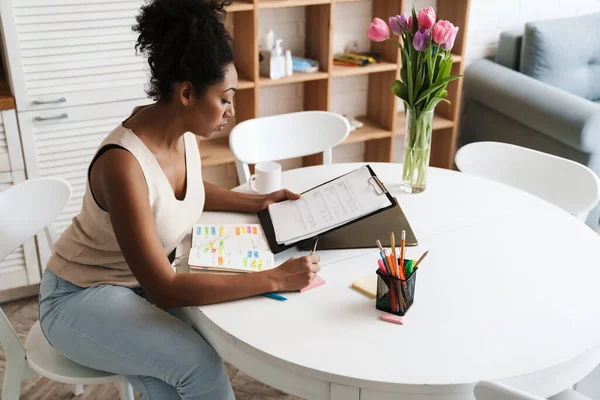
(509, 291)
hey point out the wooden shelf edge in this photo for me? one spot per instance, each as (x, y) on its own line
(7, 101)
(296, 78)
(245, 83)
(239, 6)
(341, 71)
(439, 123)
(290, 3)
(214, 152)
(370, 131)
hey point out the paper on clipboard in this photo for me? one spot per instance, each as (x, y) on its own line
(328, 206)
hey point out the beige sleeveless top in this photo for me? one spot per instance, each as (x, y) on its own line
(88, 254)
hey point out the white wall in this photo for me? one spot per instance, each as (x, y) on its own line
(486, 20)
(490, 17)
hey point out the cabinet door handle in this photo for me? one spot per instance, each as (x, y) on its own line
(61, 116)
(60, 100)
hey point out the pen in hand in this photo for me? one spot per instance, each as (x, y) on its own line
(315, 242)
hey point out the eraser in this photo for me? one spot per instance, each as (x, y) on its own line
(394, 319)
(316, 282)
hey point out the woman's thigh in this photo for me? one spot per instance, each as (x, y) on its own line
(111, 328)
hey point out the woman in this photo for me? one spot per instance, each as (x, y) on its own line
(105, 293)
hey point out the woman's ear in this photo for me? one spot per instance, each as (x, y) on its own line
(185, 93)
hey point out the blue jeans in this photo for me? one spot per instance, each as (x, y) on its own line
(117, 329)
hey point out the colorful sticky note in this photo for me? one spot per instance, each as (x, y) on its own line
(221, 244)
(213, 231)
(206, 249)
(260, 265)
(242, 230)
(249, 254)
(237, 231)
(253, 264)
(198, 231)
(211, 244)
(254, 230)
(245, 262)
(256, 254)
(206, 230)
(248, 230)
(213, 250)
(221, 231)
(220, 260)
(220, 250)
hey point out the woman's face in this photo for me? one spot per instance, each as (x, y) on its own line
(211, 112)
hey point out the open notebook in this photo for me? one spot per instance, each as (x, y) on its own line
(329, 206)
(230, 248)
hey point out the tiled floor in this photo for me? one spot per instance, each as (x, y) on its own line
(23, 314)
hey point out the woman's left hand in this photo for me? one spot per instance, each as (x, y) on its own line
(278, 196)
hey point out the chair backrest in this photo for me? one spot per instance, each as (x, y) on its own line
(25, 209)
(284, 136)
(28, 207)
(564, 183)
(488, 390)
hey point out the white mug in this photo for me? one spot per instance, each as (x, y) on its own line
(267, 177)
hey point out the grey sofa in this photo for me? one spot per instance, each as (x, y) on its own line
(542, 91)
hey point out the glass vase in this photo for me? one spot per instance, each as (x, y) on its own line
(417, 148)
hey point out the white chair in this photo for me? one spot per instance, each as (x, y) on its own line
(284, 136)
(488, 390)
(564, 183)
(26, 209)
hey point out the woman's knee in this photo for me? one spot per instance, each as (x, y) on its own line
(205, 375)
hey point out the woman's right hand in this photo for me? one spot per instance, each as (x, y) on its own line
(295, 273)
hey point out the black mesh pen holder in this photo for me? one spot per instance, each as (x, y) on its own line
(395, 296)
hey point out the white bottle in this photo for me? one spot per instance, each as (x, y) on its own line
(278, 61)
(289, 70)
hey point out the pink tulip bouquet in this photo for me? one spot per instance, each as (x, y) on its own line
(425, 47)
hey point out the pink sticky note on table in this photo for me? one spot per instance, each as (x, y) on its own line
(316, 282)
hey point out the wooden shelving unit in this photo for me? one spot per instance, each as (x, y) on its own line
(382, 123)
(7, 101)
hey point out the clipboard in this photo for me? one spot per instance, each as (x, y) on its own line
(363, 234)
(269, 231)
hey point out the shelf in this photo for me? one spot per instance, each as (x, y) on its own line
(439, 122)
(370, 131)
(296, 78)
(339, 71)
(244, 83)
(290, 3)
(7, 101)
(239, 6)
(215, 152)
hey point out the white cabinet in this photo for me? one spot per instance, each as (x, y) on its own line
(75, 52)
(62, 142)
(21, 268)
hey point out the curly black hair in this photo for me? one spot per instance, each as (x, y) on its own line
(184, 40)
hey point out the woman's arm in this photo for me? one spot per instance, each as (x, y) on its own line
(219, 199)
(120, 187)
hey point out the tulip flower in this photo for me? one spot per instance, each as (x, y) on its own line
(426, 18)
(421, 39)
(398, 22)
(442, 32)
(378, 30)
(450, 43)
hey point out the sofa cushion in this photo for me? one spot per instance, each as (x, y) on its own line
(509, 49)
(564, 53)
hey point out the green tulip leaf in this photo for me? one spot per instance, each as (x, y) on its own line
(400, 90)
